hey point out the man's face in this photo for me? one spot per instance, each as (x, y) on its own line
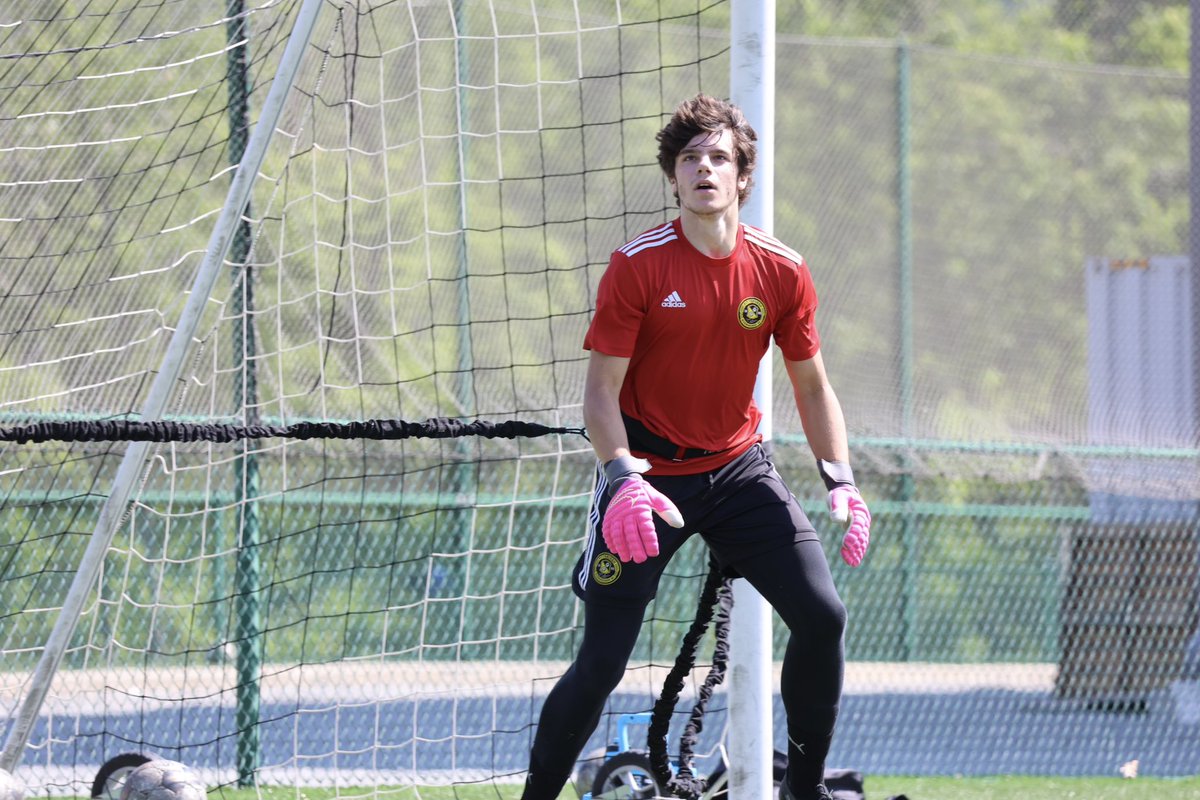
(706, 174)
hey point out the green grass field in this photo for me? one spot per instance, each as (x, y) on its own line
(877, 788)
(1033, 788)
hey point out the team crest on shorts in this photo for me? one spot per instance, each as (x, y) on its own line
(752, 313)
(606, 569)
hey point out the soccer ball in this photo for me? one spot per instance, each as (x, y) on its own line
(163, 780)
(10, 787)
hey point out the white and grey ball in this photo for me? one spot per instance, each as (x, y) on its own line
(163, 780)
(10, 787)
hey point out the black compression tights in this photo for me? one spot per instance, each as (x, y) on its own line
(573, 707)
(810, 684)
(801, 590)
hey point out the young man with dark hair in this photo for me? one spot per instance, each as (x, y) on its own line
(684, 314)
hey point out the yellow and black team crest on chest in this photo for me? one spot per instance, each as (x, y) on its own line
(606, 569)
(752, 313)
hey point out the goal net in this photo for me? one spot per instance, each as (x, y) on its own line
(438, 192)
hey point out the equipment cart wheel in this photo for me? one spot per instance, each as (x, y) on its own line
(626, 776)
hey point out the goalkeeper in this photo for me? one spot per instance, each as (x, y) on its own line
(684, 313)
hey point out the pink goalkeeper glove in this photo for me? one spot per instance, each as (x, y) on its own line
(628, 526)
(847, 507)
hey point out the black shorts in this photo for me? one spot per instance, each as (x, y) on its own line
(742, 510)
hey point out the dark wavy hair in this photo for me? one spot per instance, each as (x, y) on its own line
(705, 114)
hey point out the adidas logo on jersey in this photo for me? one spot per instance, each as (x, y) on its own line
(673, 300)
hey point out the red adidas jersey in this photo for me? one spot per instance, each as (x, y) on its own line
(695, 329)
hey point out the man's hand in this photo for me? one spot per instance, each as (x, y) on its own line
(628, 526)
(847, 507)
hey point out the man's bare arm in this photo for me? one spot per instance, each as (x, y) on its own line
(825, 429)
(820, 411)
(602, 408)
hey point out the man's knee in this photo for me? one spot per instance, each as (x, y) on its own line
(818, 622)
(600, 670)
(833, 621)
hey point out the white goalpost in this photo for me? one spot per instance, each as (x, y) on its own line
(752, 87)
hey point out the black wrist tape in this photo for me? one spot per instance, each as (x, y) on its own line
(620, 468)
(835, 473)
